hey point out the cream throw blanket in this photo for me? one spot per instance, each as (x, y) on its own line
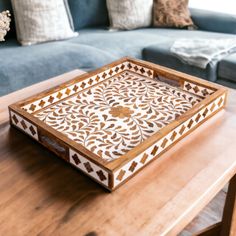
(201, 52)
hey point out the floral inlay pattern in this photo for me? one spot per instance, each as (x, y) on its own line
(121, 112)
(118, 114)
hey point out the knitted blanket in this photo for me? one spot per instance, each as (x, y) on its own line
(201, 52)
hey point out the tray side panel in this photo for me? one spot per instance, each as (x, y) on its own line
(129, 169)
(88, 167)
(53, 144)
(84, 84)
(24, 125)
(197, 89)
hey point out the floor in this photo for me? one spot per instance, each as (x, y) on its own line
(211, 214)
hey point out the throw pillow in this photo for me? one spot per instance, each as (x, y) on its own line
(4, 24)
(40, 21)
(130, 14)
(172, 13)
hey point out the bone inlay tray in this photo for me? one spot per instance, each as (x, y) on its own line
(112, 122)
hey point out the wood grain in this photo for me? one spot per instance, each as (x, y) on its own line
(213, 230)
(211, 215)
(233, 224)
(41, 195)
(228, 221)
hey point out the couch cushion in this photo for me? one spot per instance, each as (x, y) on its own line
(42, 21)
(226, 83)
(130, 14)
(119, 43)
(88, 13)
(28, 65)
(171, 13)
(92, 49)
(227, 68)
(132, 43)
(151, 44)
(160, 54)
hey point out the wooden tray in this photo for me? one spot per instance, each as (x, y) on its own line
(112, 122)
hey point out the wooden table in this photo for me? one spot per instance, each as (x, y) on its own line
(42, 195)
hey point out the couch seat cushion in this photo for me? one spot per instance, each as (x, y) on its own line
(226, 83)
(119, 43)
(227, 68)
(160, 53)
(131, 43)
(23, 66)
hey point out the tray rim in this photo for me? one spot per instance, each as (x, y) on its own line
(116, 164)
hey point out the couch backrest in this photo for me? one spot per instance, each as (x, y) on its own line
(6, 5)
(214, 21)
(89, 13)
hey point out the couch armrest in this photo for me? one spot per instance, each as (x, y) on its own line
(214, 21)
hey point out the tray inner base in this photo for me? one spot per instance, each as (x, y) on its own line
(114, 116)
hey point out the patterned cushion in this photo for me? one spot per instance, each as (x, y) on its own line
(172, 13)
(40, 21)
(130, 14)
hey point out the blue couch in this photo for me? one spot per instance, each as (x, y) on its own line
(96, 46)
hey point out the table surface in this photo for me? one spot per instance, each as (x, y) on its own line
(41, 194)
